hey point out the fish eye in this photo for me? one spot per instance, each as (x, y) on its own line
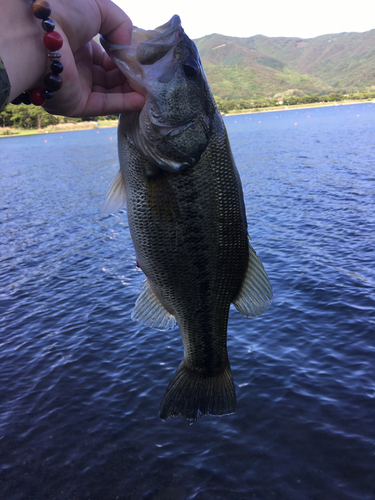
(191, 69)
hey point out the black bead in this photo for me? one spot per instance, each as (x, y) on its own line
(53, 82)
(56, 67)
(26, 98)
(47, 94)
(48, 25)
(18, 100)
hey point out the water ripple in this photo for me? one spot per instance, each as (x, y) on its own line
(81, 382)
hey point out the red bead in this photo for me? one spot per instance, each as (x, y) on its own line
(41, 9)
(53, 40)
(36, 97)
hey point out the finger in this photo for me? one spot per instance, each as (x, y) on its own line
(100, 57)
(115, 23)
(125, 88)
(109, 81)
(101, 104)
(105, 74)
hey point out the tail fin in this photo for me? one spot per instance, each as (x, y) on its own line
(190, 395)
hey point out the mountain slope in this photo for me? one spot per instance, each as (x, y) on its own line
(259, 66)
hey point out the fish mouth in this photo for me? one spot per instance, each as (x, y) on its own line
(162, 33)
(164, 65)
(137, 60)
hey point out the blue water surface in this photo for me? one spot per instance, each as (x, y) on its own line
(81, 383)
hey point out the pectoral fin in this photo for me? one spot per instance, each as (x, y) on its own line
(150, 311)
(255, 296)
(116, 195)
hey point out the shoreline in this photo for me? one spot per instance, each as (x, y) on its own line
(297, 106)
(72, 127)
(61, 127)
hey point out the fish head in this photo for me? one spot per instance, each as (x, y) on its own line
(164, 65)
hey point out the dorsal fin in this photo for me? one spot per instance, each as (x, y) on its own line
(150, 311)
(255, 296)
(115, 199)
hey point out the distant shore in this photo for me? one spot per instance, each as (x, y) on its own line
(297, 106)
(71, 127)
(55, 129)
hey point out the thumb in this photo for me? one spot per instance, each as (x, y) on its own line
(114, 23)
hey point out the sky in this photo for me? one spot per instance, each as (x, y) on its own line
(244, 18)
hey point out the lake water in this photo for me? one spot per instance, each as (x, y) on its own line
(81, 383)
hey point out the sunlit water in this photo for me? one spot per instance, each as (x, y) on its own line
(81, 383)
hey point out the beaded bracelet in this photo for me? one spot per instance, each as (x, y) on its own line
(53, 42)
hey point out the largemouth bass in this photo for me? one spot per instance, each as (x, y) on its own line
(186, 216)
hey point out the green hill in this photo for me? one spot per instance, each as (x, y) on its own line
(260, 66)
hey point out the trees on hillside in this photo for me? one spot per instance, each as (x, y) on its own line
(34, 117)
(225, 106)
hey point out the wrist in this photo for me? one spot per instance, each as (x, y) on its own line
(21, 46)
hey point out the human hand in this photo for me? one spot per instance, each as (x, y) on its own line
(93, 85)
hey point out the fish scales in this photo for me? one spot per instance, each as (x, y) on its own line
(197, 260)
(187, 221)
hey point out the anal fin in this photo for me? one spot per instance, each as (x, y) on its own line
(150, 311)
(255, 296)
